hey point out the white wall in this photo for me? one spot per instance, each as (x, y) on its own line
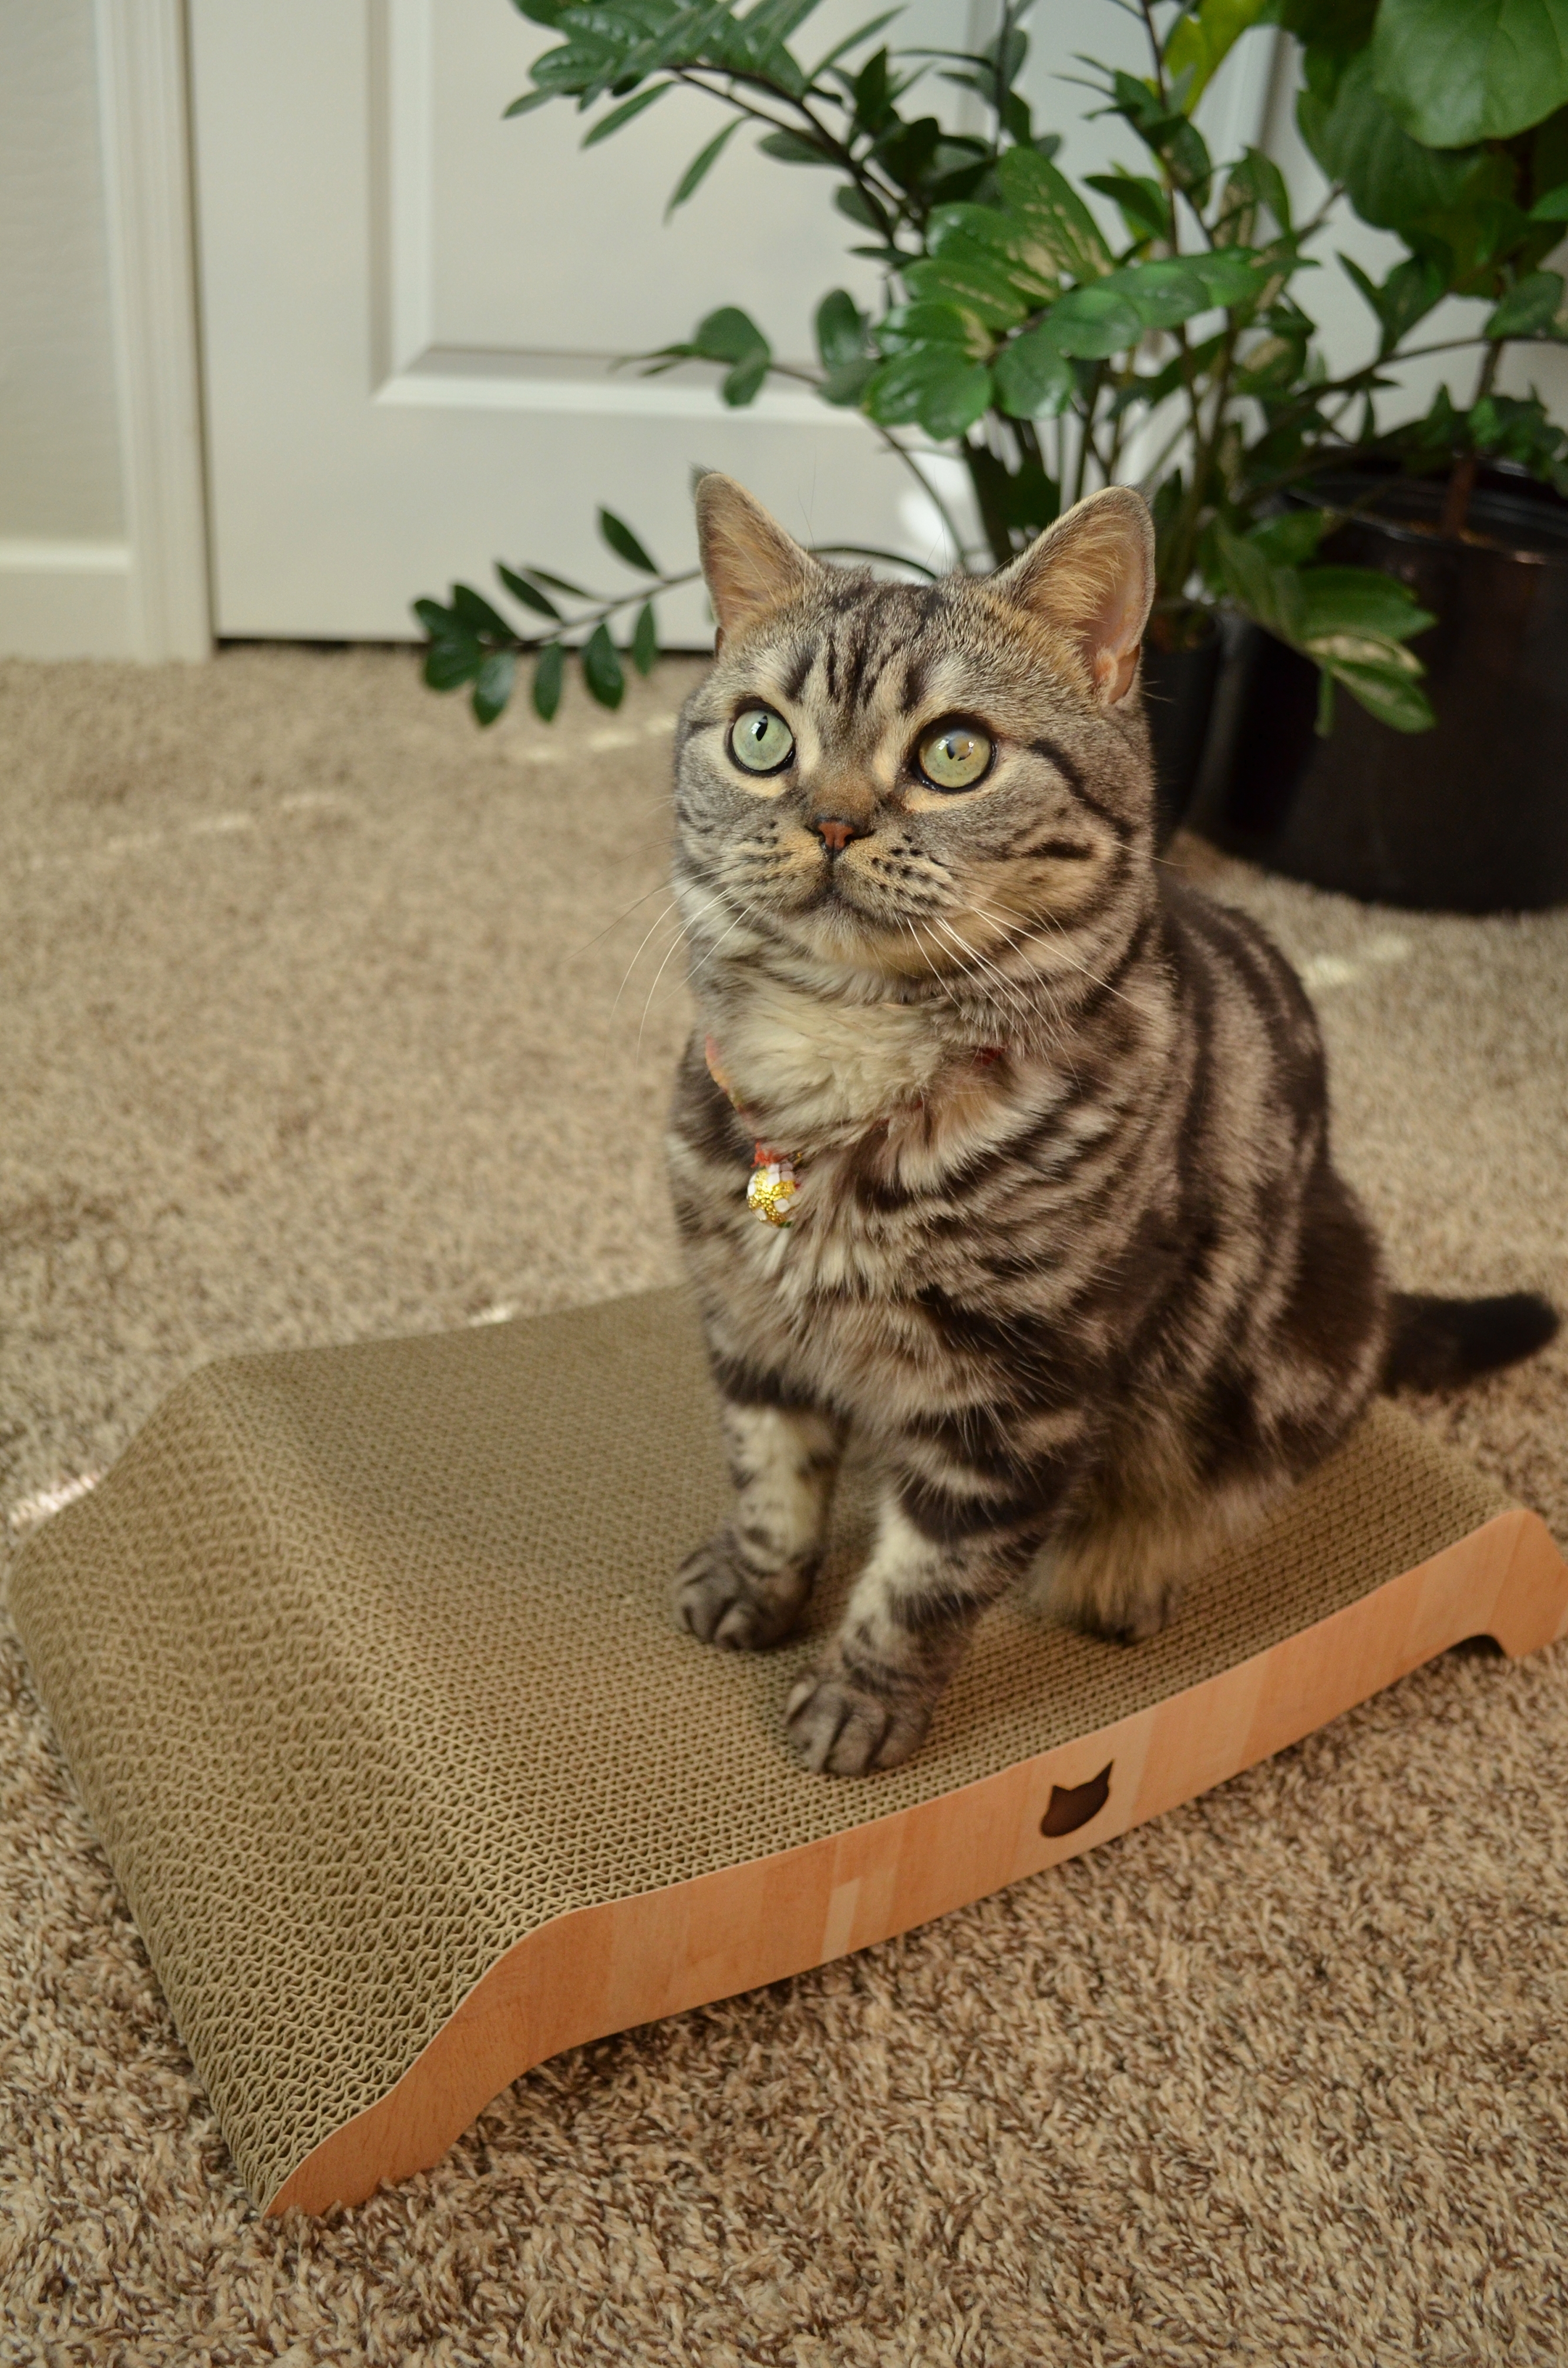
(102, 550)
(62, 559)
(58, 421)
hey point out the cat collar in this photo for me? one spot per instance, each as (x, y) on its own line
(775, 1178)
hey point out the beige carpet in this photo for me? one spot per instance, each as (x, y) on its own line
(311, 1032)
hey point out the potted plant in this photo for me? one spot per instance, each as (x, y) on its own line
(1050, 346)
(1447, 129)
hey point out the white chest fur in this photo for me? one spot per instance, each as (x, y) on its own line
(815, 1067)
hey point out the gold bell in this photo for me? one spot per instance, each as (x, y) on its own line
(770, 1190)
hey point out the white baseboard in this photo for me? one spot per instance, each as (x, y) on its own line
(65, 599)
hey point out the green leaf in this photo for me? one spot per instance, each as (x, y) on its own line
(601, 667)
(624, 544)
(1554, 207)
(1166, 132)
(1034, 377)
(1362, 601)
(1232, 274)
(1200, 42)
(1252, 182)
(840, 330)
(849, 201)
(1456, 70)
(701, 164)
(845, 386)
(526, 105)
(478, 615)
(729, 335)
(1093, 323)
(623, 114)
(1051, 209)
(791, 148)
(549, 674)
(908, 152)
(1165, 292)
(745, 383)
(451, 661)
(932, 385)
(559, 584)
(1529, 307)
(646, 639)
(1388, 693)
(966, 236)
(1140, 198)
(493, 686)
(871, 89)
(1270, 593)
(932, 324)
(528, 594)
(436, 620)
(1393, 180)
(968, 279)
(1292, 537)
(1406, 296)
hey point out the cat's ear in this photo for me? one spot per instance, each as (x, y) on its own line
(751, 563)
(1091, 576)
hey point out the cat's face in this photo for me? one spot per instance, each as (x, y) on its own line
(902, 779)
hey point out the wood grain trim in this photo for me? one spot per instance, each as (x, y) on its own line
(623, 1961)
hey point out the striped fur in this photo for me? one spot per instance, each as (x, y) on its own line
(1105, 1295)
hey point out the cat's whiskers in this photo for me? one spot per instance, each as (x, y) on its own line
(979, 969)
(1082, 968)
(609, 926)
(637, 957)
(685, 932)
(746, 913)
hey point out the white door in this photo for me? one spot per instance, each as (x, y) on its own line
(411, 309)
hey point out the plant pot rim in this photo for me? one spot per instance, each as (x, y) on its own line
(1496, 491)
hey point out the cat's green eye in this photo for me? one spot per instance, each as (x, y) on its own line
(761, 742)
(954, 754)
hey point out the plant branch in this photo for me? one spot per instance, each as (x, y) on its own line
(886, 202)
(903, 452)
(1147, 11)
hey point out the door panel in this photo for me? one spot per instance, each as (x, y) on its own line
(411, 308)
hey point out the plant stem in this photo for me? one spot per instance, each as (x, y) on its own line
(999, 534)
(926, 487)
(1462, 483)
(1147, 11)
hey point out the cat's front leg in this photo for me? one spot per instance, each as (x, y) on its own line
(938, 1560)
(748, 1585)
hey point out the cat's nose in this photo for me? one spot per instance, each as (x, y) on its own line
(836, 831)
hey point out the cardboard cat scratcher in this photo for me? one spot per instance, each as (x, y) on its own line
(363, 1663)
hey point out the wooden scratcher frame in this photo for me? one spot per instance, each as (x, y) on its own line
(362, 1660)
(608, 1968)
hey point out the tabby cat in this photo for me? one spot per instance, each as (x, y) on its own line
(993, 1140)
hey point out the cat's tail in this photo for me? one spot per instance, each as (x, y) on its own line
(1435, 1343)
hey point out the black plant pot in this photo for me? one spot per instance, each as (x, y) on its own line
(1178, 699)
(1472, 817)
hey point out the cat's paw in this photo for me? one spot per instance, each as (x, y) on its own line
(721, 1602)
(837, 1728)
(1131, 1621)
